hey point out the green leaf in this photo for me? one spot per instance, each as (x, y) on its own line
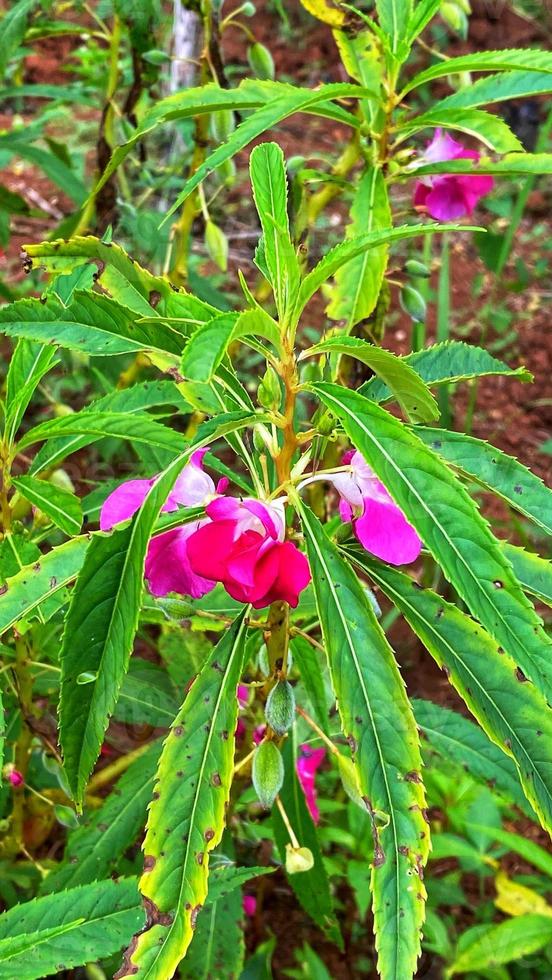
(147, 697)
(424, 11)
(269, 184)
(528, 849)
(35, 583)
(103, 617)
(394, 18)
(61, 506)
(148, 394)
(447, 363)
(136, 427)
(207, 347)
(379, 724)
(512, 165)
(459, 740)
(92, 323)
(510, 710)
(522, 60)
(534, 572)
(351, 248)
(217, 948)
(490, 129)
(497, 944)
(276, 110)
(92, 851)
(494, 470)
(12, 30)
(54, 168)
(498, 88)
(79, 926)
(358, 283)
(187, 814)
(311, 887)
(404, 382)
(450, 525)
(28, 365)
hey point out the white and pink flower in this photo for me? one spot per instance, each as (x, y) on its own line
(447, 197)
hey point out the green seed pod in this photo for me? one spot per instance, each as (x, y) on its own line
(413, 303)
(225, 175)
(267, 772)
(216, 244)
(248, 9)
(269, 392)
(280, 707)
(260, 61)
(66, 816)
(223, 124)
(418, 270)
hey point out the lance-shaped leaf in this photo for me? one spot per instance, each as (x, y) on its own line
(35, 583)
(136, 427)
(28, 365)
(275, 111)
(522, 60)
(490, 129)
(394, 18)
(513, 164)
(379, 724)
(60, 505)
(534, 572)
(93, 849)
(495, 471)
(130, 401)
(208, 345)
(250, 94)
(92, 323)
(269, 184)
(450, 525)
(509, 709)
(491, 946)
(103, 617)
(187, 815)
(424, 11)
(218, 946)
(498, 88)
(72, 928)
(447, 363)
(459, 740)
(311, 887)
(358, 283)
(402, 380)
(351, 248)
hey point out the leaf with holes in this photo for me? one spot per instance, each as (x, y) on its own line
(187, 815)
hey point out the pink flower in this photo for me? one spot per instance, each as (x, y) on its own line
(379, 524)
(447, 197)
(258, 734)
(307, 763)
(244, 547)
(168, 566)
(15, 778)
(249, 905)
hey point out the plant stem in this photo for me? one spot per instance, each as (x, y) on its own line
(114, 769)
(14, 842)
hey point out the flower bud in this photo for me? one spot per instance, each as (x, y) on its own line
(248, 9)
(280, 707)
(298, 859)
(216, 244)
(13, 775)
(413, 303)
(418, 270)
(267, 772)
(269, 392)
(223, 124)
(260, 61)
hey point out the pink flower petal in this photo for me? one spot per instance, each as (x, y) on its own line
(249, 905)
(193, 486)
(308, 761)
(385, 532)
(123, 502)
(168, 567)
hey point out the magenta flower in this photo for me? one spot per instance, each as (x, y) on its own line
(168, 566)
(243, 546)
(378, 522)
(307, 764)
(447, 197)
(249, 905)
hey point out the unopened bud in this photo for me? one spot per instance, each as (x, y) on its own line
(216, 244)
(413, 303)
(280, 707)
(267, 772)
(13, 775)
(269, 392)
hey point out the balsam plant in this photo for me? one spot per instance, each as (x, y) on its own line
(256, 554)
